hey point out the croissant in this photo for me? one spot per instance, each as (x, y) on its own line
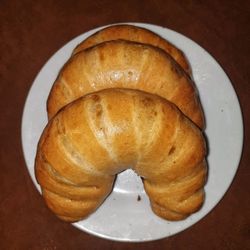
(99, 135)
(124, 64)
(136, 34)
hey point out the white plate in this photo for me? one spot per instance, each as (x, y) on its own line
(122, 216)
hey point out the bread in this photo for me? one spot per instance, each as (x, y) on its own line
(101, 134)
(135, 34)
(124, 64)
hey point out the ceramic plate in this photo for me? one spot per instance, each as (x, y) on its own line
(126, 215)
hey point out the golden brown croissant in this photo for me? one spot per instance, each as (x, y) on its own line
(124, 64)
(101, 134)
(136, 34)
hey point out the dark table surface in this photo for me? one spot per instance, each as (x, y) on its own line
(30, 33)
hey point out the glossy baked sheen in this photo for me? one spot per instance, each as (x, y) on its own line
(124, 64)
(99, 135)
(136, 34)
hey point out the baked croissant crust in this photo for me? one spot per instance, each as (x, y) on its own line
(99, 135)
(135, 34)
(124, 64)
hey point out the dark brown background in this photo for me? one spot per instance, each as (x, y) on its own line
(31, 31)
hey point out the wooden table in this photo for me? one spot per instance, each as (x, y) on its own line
(31, 31)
